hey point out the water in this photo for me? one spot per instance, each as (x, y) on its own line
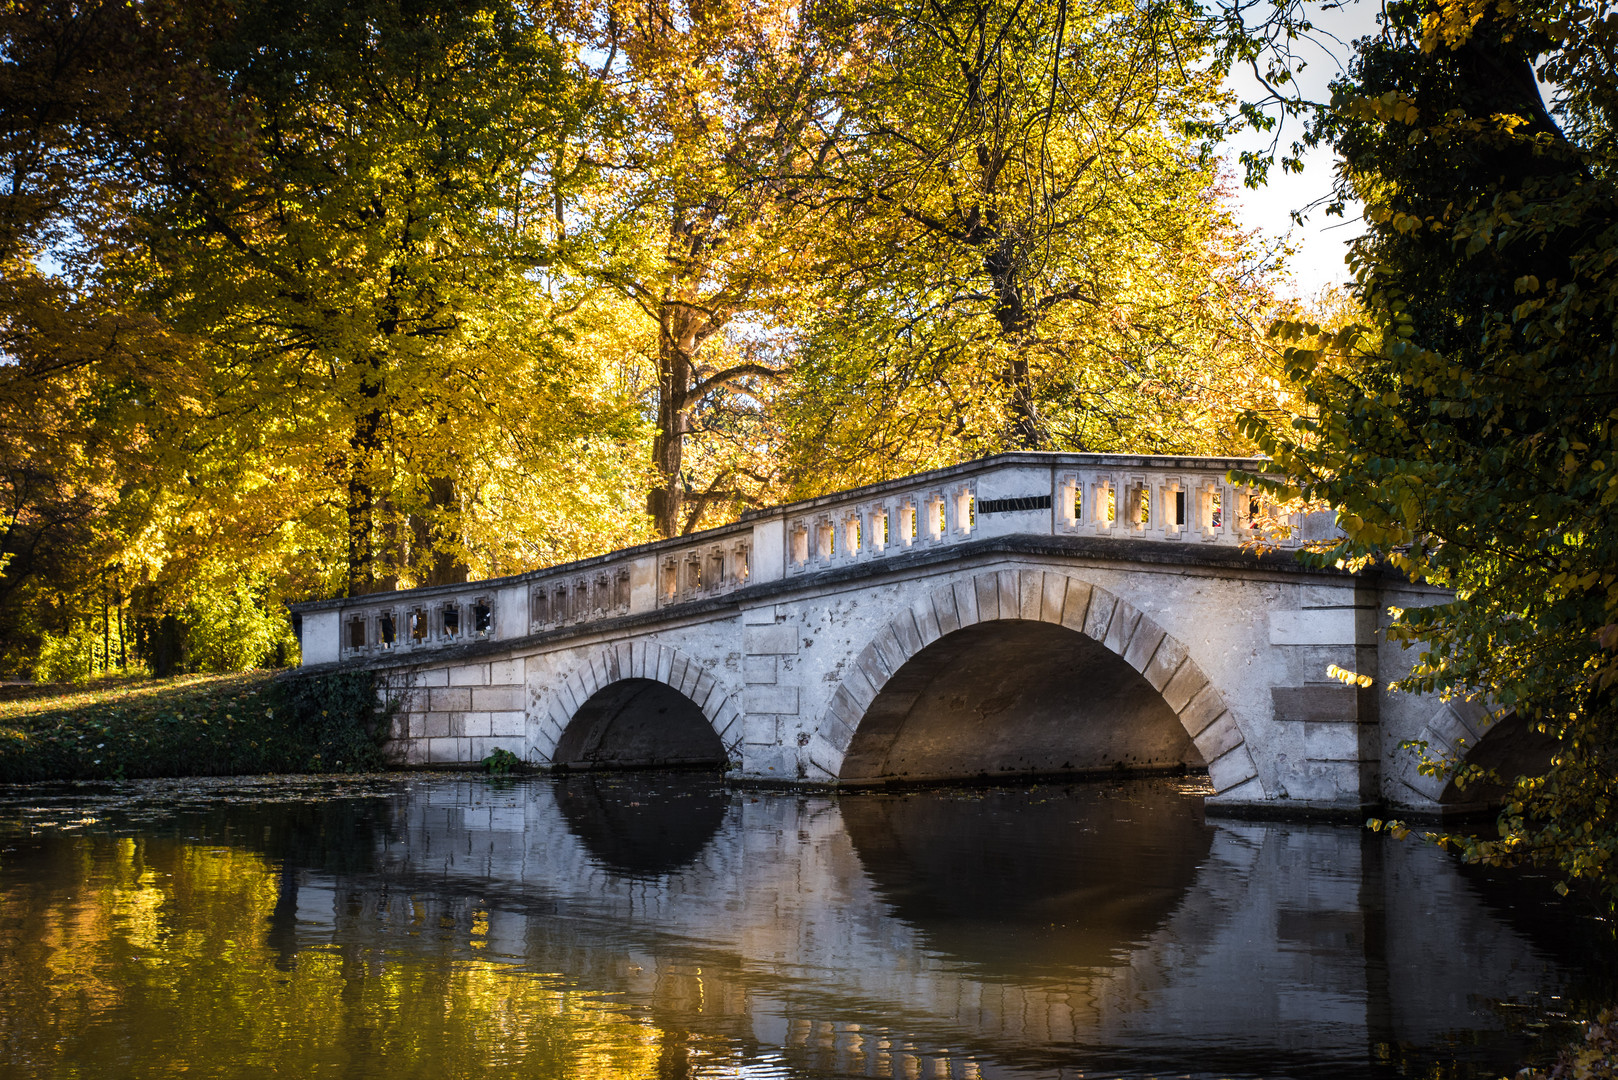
(666, 926)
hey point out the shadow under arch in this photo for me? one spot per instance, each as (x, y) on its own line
(643, 824)
(979, 876)
(1508, 748)
(1010, 698)
(1028, 672)
(639, 724)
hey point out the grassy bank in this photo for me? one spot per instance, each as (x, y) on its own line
(194, 725)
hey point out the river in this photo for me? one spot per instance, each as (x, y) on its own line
(665, 925)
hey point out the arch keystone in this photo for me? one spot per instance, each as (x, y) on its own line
(1053, 596)
(1031, 589)
(1077, 604)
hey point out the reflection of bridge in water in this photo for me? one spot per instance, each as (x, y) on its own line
(945, 935)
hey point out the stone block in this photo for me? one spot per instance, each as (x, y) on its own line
(949, 620)
(1122, 627)
(447, 751)
(475, 725)
(688, 682)
(1314, 626)
(760, 669)
(1203, 708)
(482, 748)
(1187, 682)
(780, 639)
(760, 730)
(776, 700)
(860, 689)
(904, 629)
(432, 677)
(1219, 737)
(450, 698)
(1165, 664)
(891, 649)
(759, 616)
(1143, 644)
(415, 752)
(469, 675)
(505, 671)
(846, 709)
(1099, 619)
(1010, 594)
(1031, 587)
(926, 621)
(1234, 768)
(497, 698)
(665, 663)
(1052, 596)
(703, 690)
(1077, 605)
(1332, 742)
(726, 718)
(508, 723)
(986, 594)
(1315, 703)
(678, 672)
(966, 602)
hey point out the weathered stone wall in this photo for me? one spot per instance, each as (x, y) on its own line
(788, 677)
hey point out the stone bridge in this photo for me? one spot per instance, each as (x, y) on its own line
(1027, 614)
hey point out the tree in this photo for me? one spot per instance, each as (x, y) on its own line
(284, 307)
(1466, 433)
(1031, 252)
(704, 220)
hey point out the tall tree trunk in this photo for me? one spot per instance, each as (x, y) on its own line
(364, 444)
(1011, 312)
(666, 501)
(436, 537)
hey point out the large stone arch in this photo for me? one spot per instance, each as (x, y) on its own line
(1058, 598)
(552, 707)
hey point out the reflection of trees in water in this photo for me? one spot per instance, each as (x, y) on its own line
(643, 824)
(1017, 881)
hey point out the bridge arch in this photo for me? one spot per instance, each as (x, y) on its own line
(612, 680)
(1472, 732)
(1041, 602)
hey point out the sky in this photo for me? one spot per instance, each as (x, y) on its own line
(1321, 242)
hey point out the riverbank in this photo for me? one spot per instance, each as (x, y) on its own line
(192, 725)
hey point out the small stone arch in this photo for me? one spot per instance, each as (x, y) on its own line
(1469, 730)
(1061, 599)
(551, 707)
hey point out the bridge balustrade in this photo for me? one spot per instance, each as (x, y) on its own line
(1163, 499)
